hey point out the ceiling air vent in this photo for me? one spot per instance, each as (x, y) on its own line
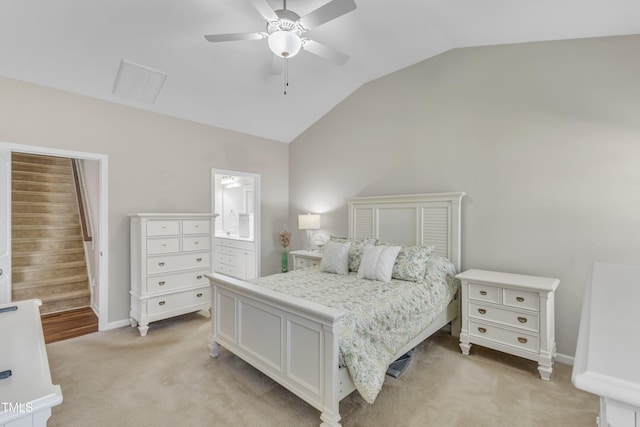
(138, 83)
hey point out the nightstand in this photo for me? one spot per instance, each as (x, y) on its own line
(302, 259)
(512, 313)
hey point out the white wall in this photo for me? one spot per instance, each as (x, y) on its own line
(156, 164)
(543, 137)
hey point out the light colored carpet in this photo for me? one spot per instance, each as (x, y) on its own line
(167, 378)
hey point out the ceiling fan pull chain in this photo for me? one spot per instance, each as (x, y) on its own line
(286, 75)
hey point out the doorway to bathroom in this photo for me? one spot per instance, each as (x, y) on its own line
(236, 200)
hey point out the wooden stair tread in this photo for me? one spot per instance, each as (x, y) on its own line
(65, 295)
(68, 324)
(51, 281)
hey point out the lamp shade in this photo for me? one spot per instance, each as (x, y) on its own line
(285, 44)
(308, 222)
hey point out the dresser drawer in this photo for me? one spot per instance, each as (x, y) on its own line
(196, 226)
(527, 321)
(177, 301)
(237, 244)
(162, 264)
(163, 246)
(171, 282)
(511, 338)
(199, 243)
(484, 293)
(229, 270)
(163, 228)
(222, 258)
(521, 299)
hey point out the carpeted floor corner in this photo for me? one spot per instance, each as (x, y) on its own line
(167, 378)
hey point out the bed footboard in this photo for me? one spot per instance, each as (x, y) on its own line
(291, 340)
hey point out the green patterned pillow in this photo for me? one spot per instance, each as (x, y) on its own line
(411, 263)
(355, 250)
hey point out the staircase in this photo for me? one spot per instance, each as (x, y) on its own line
(48, 259)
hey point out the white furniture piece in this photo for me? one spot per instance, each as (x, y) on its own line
(26, 392)
(606, 362)
(295, 342)
(304, 259)
(235, 257)
(512, 313)
(170, 254)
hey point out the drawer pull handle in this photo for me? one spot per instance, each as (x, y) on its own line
(482, 330)
(199, 295)
(196, 242)
(162, 303)
(198, 259)
(482, 311)
(522, 319)
(483, 292)
(522, 340)
(161, 264)
(519, 299)
(161, 283)
(199, 277)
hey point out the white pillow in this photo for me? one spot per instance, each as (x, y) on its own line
(377, 262)
(335, 258)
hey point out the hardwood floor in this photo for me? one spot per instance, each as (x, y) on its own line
(68, 324)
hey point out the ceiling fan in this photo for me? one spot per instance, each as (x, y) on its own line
(286, 30)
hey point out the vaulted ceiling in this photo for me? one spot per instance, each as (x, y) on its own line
(78, 46)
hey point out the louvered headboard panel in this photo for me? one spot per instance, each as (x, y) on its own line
(414, 219)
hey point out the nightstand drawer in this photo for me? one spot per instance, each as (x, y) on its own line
(521, 299)
(484, 293)
(306, 262)
(527, 321)
(503, 336)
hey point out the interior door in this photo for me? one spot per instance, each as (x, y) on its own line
(5, 225)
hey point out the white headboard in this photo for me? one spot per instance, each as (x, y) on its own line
(412, 219)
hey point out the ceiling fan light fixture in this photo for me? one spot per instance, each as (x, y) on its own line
(285, 44)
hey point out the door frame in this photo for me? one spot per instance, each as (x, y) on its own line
(256, 208)
(103, 219)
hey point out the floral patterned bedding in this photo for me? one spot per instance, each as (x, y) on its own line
(381, 317)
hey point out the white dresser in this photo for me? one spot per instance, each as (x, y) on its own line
(170, 254)
(303, 259)
(235, 257)
(608, 349)
(512, 313)
(26, 391)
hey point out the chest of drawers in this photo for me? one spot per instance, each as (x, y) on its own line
(170, 254)
(512, 313)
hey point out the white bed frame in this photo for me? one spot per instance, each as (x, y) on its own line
(295, 342)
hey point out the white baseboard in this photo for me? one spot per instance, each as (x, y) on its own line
(564, 359)
(118, 324)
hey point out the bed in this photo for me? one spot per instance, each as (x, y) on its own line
(296, 341)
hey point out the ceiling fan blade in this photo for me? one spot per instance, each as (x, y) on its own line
(325, 52)
(264, 9)
(214, 38)
(326, 13)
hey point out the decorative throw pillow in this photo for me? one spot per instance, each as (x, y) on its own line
(336, 258)
(355, 250)
(377, 262)
(411, 263)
